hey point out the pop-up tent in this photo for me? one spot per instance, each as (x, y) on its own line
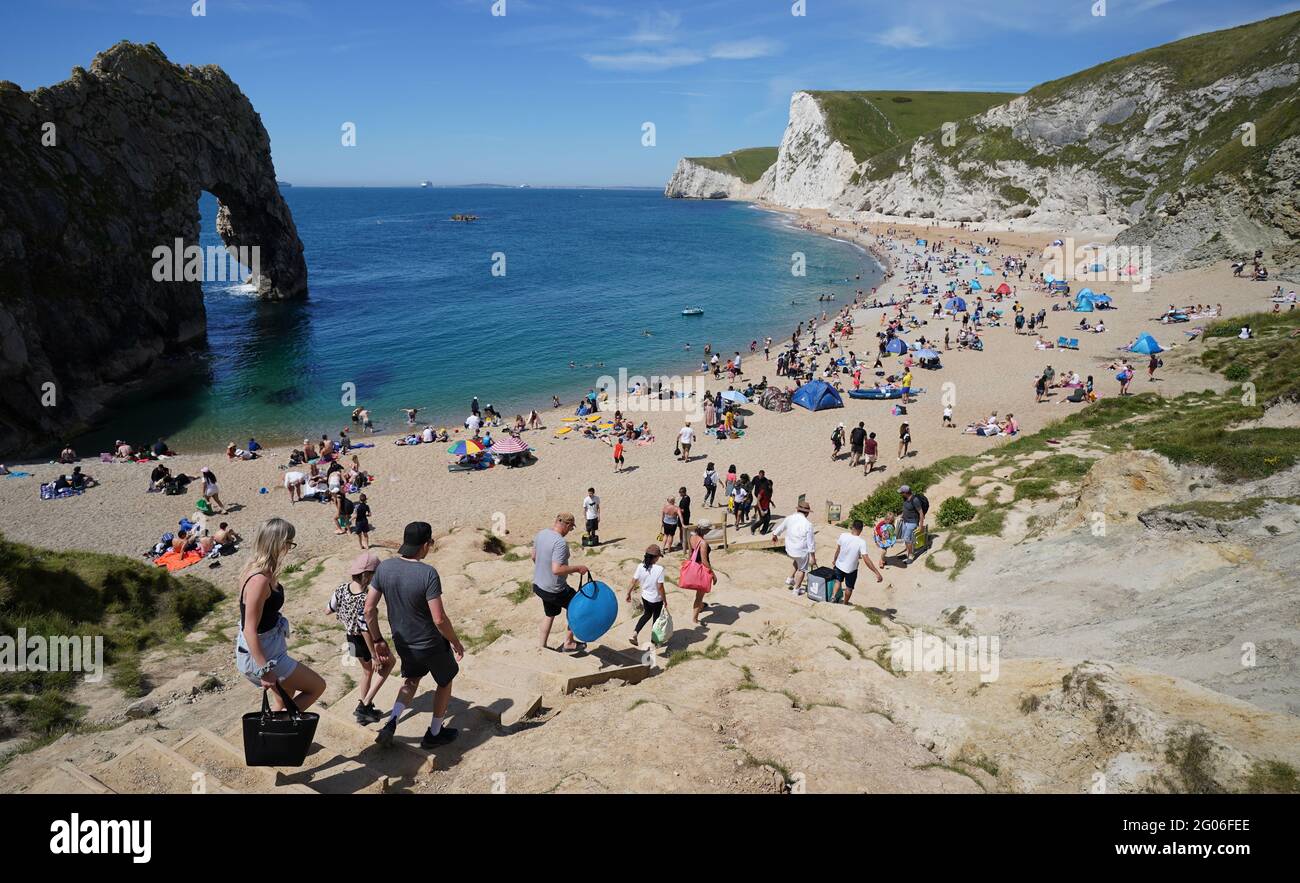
(986, 270)
(1087, 292)
(896, 345)
(817, 395)
(975, 285)
(1083, 304)
(1004, 288)
(956, 304)
(1146, 345)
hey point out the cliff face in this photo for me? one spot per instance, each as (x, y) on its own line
(85, 202)
(1190, 148)
(690, 180)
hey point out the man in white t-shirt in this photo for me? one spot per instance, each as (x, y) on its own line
(427, 435)
(591, 508)
(849, 553)
(472, 424)
(685, 439)
(800, 545)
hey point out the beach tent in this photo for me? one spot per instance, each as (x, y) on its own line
(986, 270)
(896, 345)
(817, 395)
(1004, 288)
(1146, 345)
(956, 304)
(1087, 292)
(1083, 305)
(975, 285)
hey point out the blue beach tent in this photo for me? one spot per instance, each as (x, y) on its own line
(975, 285)
(1083, 305)
(817, 395)
(1087, 292)
(1146, 345)
(896, 345)
(956, 304)
(986, 270)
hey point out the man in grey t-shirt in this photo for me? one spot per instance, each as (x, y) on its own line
(423, 635)
(550, 567)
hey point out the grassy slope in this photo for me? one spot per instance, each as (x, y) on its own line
(747, 164)
(134, 606)
(871, 122)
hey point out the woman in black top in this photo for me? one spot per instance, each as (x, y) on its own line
(261, 647)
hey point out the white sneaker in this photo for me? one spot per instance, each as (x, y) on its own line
(789, 581)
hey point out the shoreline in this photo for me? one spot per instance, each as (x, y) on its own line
(394, 429)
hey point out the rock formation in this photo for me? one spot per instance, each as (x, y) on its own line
(96, 173)
(1191, 149)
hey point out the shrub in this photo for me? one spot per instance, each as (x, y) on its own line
(954, 511)
(1237, 372)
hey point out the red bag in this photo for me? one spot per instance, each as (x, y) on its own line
(695, 576)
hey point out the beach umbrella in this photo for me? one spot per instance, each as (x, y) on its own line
(1146, 345)
(1101, 298)
(956, 304)
(927, 354)
(510, 445)
(464, 447)
(732, 396)
(896, 345)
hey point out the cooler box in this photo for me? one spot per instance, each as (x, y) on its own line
(823, 586)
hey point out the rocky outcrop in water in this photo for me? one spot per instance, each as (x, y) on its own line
(96, 174)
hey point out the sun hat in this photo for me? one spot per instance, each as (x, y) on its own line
(366, 562)
(653, 549)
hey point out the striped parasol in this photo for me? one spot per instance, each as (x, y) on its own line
(510, 445)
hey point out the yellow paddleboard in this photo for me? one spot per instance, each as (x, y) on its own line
(563, 429)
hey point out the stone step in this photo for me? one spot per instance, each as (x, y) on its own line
(344, 759)
(65, 778)
(217, 757)
(564, 673)
(484, 687)
(149, 767)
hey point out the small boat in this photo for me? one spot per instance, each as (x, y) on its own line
(896, 393)
(692, 311)
(459, 217)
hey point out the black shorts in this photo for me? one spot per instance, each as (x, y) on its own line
(669, 529)
(592, 524)
(554, 602)
(848, 580)
(360, 650)
(437, 661)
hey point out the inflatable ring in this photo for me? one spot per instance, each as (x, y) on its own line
(884, 534)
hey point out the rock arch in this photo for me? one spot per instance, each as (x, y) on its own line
(83, 204)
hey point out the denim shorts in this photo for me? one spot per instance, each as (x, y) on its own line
(275, 645)
(908, 532)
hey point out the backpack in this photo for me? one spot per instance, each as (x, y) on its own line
(922, 502)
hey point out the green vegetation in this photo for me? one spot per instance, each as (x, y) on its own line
(522, 591)
(1272, 777)
(954, 511)
(71, 594)
(869, 123)
(491, 632)
(747, 164)
(493, 544)
(1229, 510)
(885, 499)
(1190, 755)
(715, 650)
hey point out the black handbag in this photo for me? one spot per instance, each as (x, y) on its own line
(278, 738)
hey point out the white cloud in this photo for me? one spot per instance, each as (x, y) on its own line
(902, 37)
(645, 61)
(739, 50)
(656, 27)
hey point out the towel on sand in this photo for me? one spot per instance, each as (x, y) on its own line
(173, 560)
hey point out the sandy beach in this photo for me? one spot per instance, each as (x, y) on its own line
(412, 483)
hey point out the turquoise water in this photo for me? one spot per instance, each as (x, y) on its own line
(404, 305)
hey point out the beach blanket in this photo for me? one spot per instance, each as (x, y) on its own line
(362, 445)
(173, 560)
(18, 475)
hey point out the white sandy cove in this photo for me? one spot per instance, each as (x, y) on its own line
(412, 483)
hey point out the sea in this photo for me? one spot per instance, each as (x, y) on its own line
(548, 290)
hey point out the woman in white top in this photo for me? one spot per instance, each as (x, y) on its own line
(649, 577)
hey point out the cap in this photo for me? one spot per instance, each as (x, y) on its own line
(904, 490)
(366, 562)
(417, 533)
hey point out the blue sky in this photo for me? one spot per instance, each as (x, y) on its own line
(556, 91)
